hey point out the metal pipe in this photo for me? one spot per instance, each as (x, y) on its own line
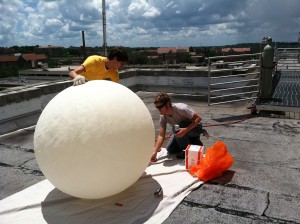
(235, 56)
(231, 101)
(240, 81)
(235, 94)
(238, 75)
(104, 28)
(234, 88)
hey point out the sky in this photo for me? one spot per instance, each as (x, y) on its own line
(147, 23)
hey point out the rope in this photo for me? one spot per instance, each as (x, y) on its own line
(219, 124)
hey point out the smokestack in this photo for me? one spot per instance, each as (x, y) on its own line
(104, 29)
(83, 46)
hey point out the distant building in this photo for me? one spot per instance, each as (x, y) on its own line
(11, 61)
(22, 60)
(149, 53)
(173, 55)
(34, 59)
(237, 50)
(51, 50)
(168, 55)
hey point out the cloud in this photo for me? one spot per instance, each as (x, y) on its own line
(144, 23)
(141, 9)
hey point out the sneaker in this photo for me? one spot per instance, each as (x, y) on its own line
(205, 133)
(180, 155)
(195, 141)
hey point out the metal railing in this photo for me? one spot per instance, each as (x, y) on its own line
(287, 59)
(233, 78)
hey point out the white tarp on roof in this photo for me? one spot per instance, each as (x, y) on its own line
(43, 203)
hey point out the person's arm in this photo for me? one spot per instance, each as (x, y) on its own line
(76, 71)
(115, 77)
(159, 142)
(77, 78)
(195, 120)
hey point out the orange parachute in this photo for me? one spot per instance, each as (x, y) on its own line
(217, 160)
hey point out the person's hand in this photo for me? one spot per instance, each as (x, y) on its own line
(181, 132)
(79, 80)
(153, 157)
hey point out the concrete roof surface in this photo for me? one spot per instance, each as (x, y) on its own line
(262, 186)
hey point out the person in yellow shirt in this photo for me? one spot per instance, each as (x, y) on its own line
(97, 67)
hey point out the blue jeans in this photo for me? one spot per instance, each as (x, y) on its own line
(178, 144)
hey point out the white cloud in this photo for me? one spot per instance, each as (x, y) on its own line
(147, 22)
(151, 12)
(141, 8)
(202, 7)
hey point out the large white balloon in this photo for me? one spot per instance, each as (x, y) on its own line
(94, 140)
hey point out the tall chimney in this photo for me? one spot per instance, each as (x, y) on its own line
(83, 46)
(104, 28)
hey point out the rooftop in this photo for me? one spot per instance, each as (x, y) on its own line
(262, 186)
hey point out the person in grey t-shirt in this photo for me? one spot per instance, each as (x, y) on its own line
(182, 117)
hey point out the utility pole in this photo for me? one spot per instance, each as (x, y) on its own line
(104, 28)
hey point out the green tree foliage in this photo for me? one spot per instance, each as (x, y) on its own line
(137, 58)
(142, 56)
(10, 72)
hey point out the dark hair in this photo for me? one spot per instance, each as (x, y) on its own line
(119, 53)
(162, 98)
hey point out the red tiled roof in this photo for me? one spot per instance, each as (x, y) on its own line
(165, 50)
(29, 57)
(4, 58)
(245, 49)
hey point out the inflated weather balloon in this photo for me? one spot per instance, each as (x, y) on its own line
(94, 140)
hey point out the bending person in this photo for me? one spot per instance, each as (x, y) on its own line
(182, 115)
(100, 68)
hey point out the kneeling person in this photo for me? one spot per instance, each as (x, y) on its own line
(176, 114)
